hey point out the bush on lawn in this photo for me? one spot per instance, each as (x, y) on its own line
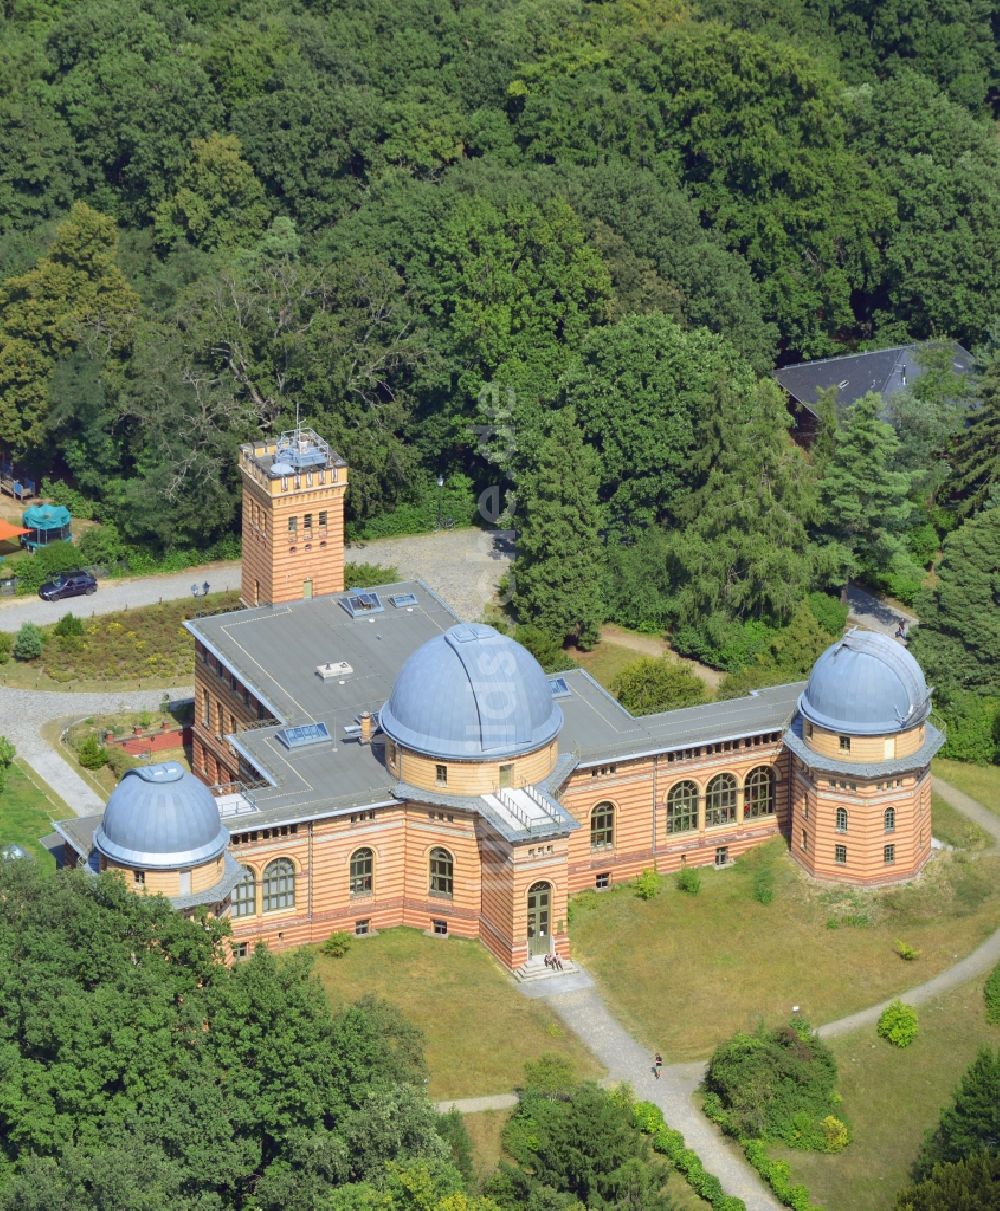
(7, 755)
(28, 644)
(898, 1024)
(6, 647)
(774, 1084)
(337, 944)
(905, 950)
(763, 885)
(653, 684)
(648, 885)
(118, 761)
(91, 753)
(991, 995)
(68, 626)
(689, 880)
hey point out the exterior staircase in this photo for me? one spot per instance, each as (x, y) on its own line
(534, 970)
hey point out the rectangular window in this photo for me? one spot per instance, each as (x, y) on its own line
(603, 880)
(805, 839)
(362, 928)
(307, 521)
(889, 854)
(240, 950)
(440, 928)
(845, 744)
(721, 855)
(809, 730)
(506, 775)
(322, 519)
(139, 878)
(220, 719)
(840, 855)
(293, 524)
(206, 708)
(441, 775)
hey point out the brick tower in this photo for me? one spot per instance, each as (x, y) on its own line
(293, 519)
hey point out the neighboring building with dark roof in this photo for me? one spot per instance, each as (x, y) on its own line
(885, 371)
(374, 761)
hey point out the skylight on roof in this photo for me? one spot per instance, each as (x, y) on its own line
(360, 602)
(559, 687)
(303, 735)
(399, 600)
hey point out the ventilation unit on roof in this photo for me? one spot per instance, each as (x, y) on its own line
(334, 668)
(399, 600)
(301, 449)
(559, 687)
(360, 602)
(303, 735)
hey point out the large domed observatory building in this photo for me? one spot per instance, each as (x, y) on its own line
(374, 760)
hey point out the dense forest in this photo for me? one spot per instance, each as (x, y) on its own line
(549, 247)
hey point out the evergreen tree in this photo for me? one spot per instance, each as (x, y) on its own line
(958, 641)
(971, 1123)
(969, 1185)
(747, 552)
(557, 573)
(864, 503)
(976, 454)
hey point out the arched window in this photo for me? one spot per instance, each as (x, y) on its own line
(362, 861)
(720, 800)
(602, 826)
(890, 819)
(244, 898)
(278, 885)
(841, 819)
(442, 872)
(758, 793)
(682, 807)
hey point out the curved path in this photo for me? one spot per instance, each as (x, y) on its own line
(25, 712)
(575, 999)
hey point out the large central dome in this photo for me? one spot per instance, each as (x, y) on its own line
(866, 684)
(471, 693)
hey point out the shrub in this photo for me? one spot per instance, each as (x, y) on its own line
(337, 944)
(362, 575)
(549, 1074)
(28, 644)
(829, 612)
(118, 761)
(774, 1083)
(836, 1133)
(648, 885)
(7, 755)
(545, 648)
(778, 1176)
(723, 643)
(68, 625)
(44, 564)
(763, 885)
(6, 647)
(61, 493)
(991, 995)
(973, 726)
(689, 880)
(653, 684)
(91, 753)
(898, 1024)
(905, 950)
(101, 545)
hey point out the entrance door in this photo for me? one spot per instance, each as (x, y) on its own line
(539, 903)
(307, 589)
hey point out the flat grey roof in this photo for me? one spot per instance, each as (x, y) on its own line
(275, 650)
(598, 728)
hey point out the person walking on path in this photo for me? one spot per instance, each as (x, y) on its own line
(657, 1065)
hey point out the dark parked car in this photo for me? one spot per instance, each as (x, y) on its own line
(68, 584)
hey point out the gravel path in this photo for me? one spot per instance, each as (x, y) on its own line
(866, 610)
(23, 713)
(462, 566)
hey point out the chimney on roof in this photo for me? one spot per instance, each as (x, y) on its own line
(367, 727)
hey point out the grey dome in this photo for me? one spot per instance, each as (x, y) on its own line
(866, 684)
(471, 693)
(161, 817)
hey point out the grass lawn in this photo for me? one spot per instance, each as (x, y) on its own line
(478, 1028)
(953, 828)
(27, 812)
(142, 647)
(891, 1097)
(982, 782)
(605, 661)
(686, 971)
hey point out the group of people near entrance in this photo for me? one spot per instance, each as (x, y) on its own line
(553, 960)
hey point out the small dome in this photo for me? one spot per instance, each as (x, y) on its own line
(866, 684)
(161, 817)
(471, 693)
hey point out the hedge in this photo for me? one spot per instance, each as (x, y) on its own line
(670, 1143)
(991, 995)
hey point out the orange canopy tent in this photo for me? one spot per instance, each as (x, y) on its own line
(9, 532)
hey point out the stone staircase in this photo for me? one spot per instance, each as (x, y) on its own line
(534, 969)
